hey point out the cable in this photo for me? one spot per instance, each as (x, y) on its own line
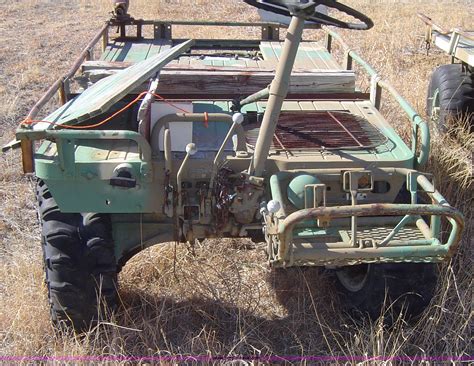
(108, 119)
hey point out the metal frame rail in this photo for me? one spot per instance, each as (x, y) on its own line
(420, 129)
(455, 35)
(281, 228)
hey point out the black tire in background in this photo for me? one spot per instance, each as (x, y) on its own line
(389, 289)
(450, 95)
(79, 262)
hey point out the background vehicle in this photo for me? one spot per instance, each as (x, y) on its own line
(310, 160)
(451, 90)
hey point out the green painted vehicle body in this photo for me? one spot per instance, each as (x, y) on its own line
(353, 213)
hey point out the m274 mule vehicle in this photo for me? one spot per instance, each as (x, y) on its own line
(180, 140)
(451, 89)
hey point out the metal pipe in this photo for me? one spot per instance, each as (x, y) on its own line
(441, 30)
(278, 92)
(27, 147)
(167, 148)
(197, 117)
(61, 135)
(417, 121)
(354, 219)
(255, 97)
(217, 23)
(424, 228)
(455, 218)
(190, 150)
(237, 119)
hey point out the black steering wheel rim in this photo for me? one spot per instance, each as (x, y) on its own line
(289, 8)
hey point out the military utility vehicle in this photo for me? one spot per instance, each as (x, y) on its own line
(451, 88)
(163, 139)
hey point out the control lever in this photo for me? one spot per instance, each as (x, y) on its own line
(190, 151)
(237, 119)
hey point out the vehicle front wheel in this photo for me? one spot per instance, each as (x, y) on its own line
(388, 289)
(79, 262)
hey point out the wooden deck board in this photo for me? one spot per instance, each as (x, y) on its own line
(268, 52)
(158, 46)
(325, 56)
(114, 48)
(328, 105)
(137, 52)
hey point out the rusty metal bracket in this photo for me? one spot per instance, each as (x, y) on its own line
(163, 30)
(270, 33)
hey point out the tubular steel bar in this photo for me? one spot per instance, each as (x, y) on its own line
(278, 92)
(210, 24)
(444, 31)
(198, 117)
(411, 212)
(419, 126)
(286, 227)
(58, 86)
(71, 135)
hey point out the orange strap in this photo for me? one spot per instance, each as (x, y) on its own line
(108, 119)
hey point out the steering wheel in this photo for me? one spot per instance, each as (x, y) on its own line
(306, 9)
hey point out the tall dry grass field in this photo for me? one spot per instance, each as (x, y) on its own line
(223, 299)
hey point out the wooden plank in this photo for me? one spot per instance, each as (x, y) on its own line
(159, 45)
(306, 105)
(196, 64)
(115, 48)
(268, 52)
(184, 60)
(252, 64)
(104, 56)
(189, 82)
(224, 82)
(277, 47)
(310, 55)
(351, 107)
(217, 63)
(325, 56)
(370, 113)
(290, 106)
(313, 57)
(137, 52)
(234, 63)
(304, 61)
(122, 53)
(101, 96)
(328, 105)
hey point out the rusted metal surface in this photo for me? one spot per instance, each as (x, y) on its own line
(318, 130)
(27, 156)
(420, 130)
(287, 226)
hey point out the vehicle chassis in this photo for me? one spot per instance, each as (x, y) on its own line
(142, 217)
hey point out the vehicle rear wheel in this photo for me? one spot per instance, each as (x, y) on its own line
(450, 95)
(79, 262)
(388, 289)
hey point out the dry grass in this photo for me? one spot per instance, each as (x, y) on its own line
(222, 300)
